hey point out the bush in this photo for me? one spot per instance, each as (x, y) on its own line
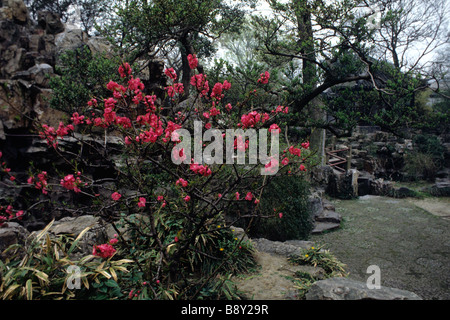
(81, 76)
(39, 270)
(420, 166)
(287, 196)
(430, 145)
(117, 161)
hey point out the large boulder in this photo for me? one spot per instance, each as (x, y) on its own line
(50, 22)
(11, 233)
(348, 289)
(343, 185)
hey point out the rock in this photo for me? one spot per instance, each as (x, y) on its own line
(321, 175)
(239, 233)
(327, 205)
(321, 227)
(18, 9)
(70, 39)
(315, 204)
(40, 73)
(329, 216)
(287, 248)
(402, 192)
(343, 185)
(11, 233)
(441, 188)
(50, 22)
(98, 233)
(348, 289)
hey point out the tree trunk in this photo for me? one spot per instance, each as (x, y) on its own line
(309, 74)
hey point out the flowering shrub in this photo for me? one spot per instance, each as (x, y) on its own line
(173, 214)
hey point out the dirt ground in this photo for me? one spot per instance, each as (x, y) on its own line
(408, 239)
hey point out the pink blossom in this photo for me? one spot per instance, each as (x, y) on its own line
(295, 151)
(170, 72)
(217, 91)
(71, 183)
(193, 61)
(77, 119)
(200, 83)
(275, 128)
(249, 196)
(125, 70)
(187, 198)
(103, 251)
(160, 198)
(226, 85)
(116, 196)
(264, 77)
(142, 202)
(237, 195)
(181, 181)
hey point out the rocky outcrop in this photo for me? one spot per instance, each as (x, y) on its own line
(11, 233)
(348, 289)
(326, 219)
(29, 52)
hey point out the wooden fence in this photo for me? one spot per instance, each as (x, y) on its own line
(339, 159)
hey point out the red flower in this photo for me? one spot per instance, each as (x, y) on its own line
(226, 85)
(217, 91)
(187, 198)
(264, 77)
(103, 251)
(274, 127)
(249, 196)
(116, 196)
(181, 181)
(193, 61)
(125, 70)
(71, 183)
(170, 72)
(142, 202)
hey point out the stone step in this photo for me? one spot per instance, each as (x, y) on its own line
(321, 227)
(329, 216)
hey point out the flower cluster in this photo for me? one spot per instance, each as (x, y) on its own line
(51, 134)
(264, 78)
(70, 182)
(181, 182)
(8, 213)
(200, 169)
(125, 70)
(252, 118)
(39, 183)
(193, 61)
(200, 83)
(104, 251)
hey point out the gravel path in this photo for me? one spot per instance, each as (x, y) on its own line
(410, 245)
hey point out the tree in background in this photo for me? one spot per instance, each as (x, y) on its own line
(86, 12)
(143, 29)
(321, 48)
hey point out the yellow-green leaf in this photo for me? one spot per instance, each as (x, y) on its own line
(44, 231)
(29, 288)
